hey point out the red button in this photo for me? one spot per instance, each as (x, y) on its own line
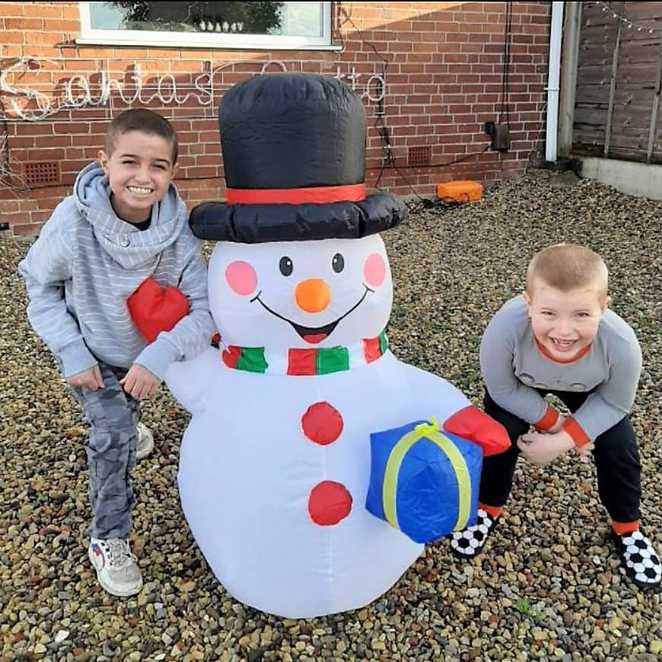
(322, 423)
(329, 502)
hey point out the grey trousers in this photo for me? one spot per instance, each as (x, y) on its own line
(111, 452)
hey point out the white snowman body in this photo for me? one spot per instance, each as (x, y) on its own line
(255, 465)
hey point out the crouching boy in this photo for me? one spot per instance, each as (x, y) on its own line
(560, 338)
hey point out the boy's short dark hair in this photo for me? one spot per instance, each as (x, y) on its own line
(141, 119)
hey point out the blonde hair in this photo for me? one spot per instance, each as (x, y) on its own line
(567, 267)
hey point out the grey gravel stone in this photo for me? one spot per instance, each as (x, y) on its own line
(547, 587)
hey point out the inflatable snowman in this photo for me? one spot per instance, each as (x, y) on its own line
(275, 463)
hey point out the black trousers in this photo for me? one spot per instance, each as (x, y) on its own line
(615, 453)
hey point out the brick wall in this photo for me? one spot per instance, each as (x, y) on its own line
(442, 62)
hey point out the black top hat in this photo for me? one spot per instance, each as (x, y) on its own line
(294, 157)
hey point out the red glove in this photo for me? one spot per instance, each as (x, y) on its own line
(155, 308)
(475, 425)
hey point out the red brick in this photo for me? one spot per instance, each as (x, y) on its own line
(12, 37)
(12, 9)
(38, 216)
(26, 229)
(23, 23)
(62, 25)
(209, 136)
(12, 218)
(22, 141)
(43, 9)
(444, 79)
(53, 141)
(201, 171)
(8, 202)
(45, 154)
(28, 205)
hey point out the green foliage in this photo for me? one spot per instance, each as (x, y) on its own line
(253, 17)
(525, 608)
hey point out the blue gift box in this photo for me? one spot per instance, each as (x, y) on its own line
(424, 481)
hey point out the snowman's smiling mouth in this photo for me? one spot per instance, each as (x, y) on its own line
(313, 334)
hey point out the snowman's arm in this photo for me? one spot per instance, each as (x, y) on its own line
(475, 425)
(458, 415)
(190, 381)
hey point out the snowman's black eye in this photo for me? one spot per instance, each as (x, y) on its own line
(285, 265)
(338, 263)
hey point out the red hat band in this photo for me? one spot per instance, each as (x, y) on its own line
(315, 195)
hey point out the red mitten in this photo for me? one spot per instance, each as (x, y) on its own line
(155, 308)
(475, 425)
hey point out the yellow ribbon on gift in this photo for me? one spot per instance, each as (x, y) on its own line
(390, 488)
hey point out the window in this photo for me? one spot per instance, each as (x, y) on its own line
(246, 25)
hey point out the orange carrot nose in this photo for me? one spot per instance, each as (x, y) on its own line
(312, 295)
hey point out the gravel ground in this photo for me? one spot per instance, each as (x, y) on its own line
(548, 587)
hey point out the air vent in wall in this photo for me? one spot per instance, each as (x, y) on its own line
(42, 172)
(419, 156)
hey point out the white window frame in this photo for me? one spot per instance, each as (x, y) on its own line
(221, 41)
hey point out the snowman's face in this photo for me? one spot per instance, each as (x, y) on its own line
(304, 294)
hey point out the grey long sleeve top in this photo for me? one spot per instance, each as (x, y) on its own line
(512, 367)
(87, 262)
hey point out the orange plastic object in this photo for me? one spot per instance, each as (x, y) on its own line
(460, 191)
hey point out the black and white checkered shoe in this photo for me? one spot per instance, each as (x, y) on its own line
(470, 541)
(641, 562)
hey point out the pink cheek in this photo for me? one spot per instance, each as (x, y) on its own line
(374, 270)
(241, 278)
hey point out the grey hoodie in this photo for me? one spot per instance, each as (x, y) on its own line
(87, 262)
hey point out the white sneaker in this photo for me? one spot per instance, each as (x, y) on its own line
(117, 570)
(145, 443)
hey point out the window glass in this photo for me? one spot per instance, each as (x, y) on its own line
(291, 19)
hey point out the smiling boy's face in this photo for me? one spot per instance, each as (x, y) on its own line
(565, 323)
(140, 169)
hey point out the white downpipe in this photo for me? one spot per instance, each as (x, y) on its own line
(553, 80)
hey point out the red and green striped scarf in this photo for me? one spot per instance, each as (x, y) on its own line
(307, 361)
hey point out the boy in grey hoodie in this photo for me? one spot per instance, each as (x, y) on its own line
(123, 227)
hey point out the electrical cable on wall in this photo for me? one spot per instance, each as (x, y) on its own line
(8, 178)
(505, 82)
(380, 125)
